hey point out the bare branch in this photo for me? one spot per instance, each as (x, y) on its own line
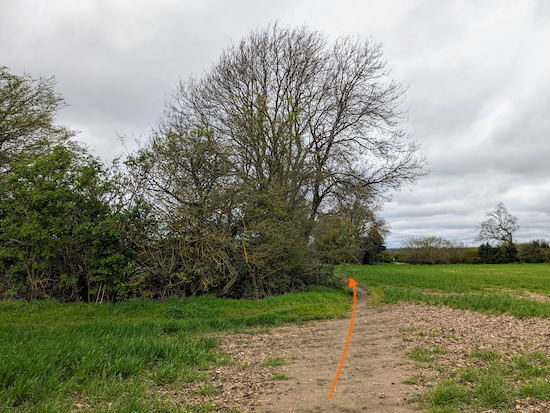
(499, 226)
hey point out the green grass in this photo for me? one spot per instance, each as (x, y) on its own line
(274, 362)
(448, 392)
(539, 389)
(111, 357)
(487, 355)
(494, 385)
(411, 380)
(459, 278)
(494, 381)
(280, 376)
(482, 288)
(420, 354)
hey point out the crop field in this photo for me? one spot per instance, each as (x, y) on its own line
(112, 357)
(491, 289)
(486, 368)
(78, 357)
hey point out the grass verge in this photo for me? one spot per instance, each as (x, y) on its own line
(116, 357)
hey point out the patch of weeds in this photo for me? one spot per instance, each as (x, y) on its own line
(446, 409)
(208, 390)
(469, 374)
(188, 375)
(293, 357)
(434, 334)
(421, 334)
(376, 297)
(448, 393)
(541, 357)
(419, 354)
(280, 376)
(242, 342)
(492, 390)
(407, 338)
(526, 367)
(439, 350)
(223, 358)
(487, 355)
(274, 362)
(539, 389)
(165, 374)
(411, 380)
(410, 329)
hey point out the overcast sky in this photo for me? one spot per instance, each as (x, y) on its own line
(478, 73)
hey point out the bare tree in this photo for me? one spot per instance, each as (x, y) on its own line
(499, 226)
(283, 127)
(296, 110)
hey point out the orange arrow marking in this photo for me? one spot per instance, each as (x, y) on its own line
(352, 284)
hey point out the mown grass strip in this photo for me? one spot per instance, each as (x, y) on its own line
(494, 386)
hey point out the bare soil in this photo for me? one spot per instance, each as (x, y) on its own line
(370, 380)
(377, 362)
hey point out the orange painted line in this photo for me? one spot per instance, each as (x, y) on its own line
(352, 284)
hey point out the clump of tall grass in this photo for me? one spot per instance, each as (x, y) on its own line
(111, 357)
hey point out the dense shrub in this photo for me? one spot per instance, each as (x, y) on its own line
(59, 237)
(535, 251)
(501, 254)
(372, 247)
(385, 258)
(335, 240)
(469, 256)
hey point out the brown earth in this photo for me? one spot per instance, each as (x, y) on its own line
(371, 377)
(370, 380)
(377, 362)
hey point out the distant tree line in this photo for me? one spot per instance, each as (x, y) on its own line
(259, 177)
(435, 250)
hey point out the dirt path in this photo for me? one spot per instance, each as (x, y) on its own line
(376, 364)
(371, 377)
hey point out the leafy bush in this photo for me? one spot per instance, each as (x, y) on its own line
(385, 257)
(335, 240)
(469, 256)
(501, 254)
(535, 251)
(58, 235)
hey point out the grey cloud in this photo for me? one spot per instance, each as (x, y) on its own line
(479, 97)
